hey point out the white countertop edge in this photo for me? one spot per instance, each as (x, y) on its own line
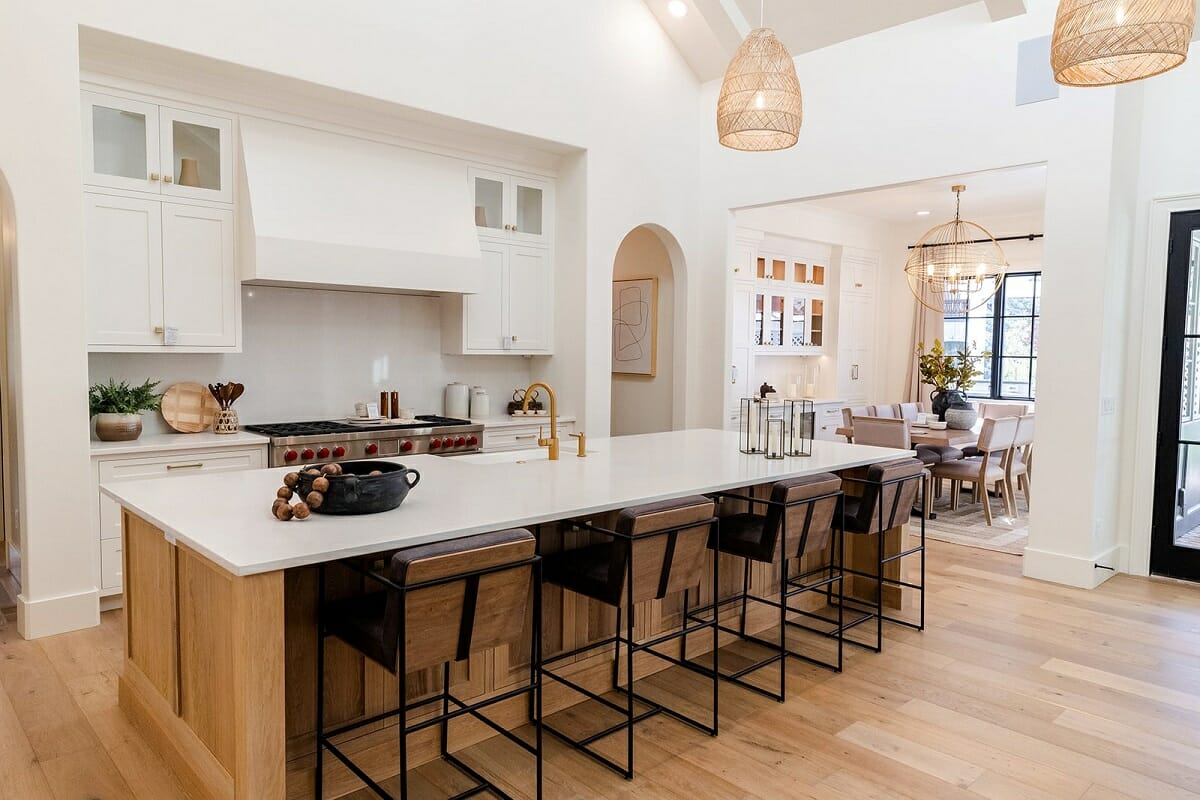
(508, 421)
(413, 540)
(173, 442)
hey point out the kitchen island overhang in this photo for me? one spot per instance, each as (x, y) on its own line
(220, 596)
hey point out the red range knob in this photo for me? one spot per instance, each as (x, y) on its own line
(460, 441)
(307, 454)
(406, 447)
(290, 455)
(472, 440)
(372, 449)
(339, 451)
(435, 444)
(447, 442)
(323, 452)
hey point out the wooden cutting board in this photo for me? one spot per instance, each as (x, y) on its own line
(189, 407)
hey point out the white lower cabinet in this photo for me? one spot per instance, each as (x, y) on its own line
(524, 437)
(829, 419)
(106, 516)
(513, 313)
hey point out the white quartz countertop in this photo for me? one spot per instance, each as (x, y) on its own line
(172, 442)
(227, 517)
(508, 421)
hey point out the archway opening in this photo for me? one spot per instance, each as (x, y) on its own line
(648, 351)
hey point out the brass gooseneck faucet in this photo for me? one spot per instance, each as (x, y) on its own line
(552, 442)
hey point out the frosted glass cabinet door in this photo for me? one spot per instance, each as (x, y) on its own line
(530, 209)
(196, 155)
(120, 143)
(200, 282)
(488, 189)
(123, 258)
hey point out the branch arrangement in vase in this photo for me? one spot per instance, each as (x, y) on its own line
(949, 374)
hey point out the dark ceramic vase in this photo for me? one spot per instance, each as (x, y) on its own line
(948, 398)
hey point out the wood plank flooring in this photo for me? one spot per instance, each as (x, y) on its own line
(1017, 689)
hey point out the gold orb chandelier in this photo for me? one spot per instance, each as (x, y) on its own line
(760, 107)
(957, 266)
(1108, 42)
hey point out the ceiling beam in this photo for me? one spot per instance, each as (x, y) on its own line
(1004, 9)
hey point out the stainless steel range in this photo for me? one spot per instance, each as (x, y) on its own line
(304, 442)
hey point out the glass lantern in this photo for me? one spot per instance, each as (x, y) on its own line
(801, 419)
(777, 441)
(753, 425)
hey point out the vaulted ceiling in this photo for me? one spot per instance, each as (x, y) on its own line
(712, 29)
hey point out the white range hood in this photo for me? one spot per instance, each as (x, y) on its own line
(322, 210)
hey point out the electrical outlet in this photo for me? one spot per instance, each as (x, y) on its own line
(1108, 406)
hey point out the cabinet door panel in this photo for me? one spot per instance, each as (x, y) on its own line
(530, 214)
(123, 255)
(200, 287)
(484, 312)
(120, 142)
(530, 309)
(206, 142)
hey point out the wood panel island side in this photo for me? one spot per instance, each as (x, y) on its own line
(220, 597)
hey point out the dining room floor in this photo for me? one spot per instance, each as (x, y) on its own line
(1016, 689)
(966, 524)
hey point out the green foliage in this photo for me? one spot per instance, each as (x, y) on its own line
(121, 398)
(943, 371)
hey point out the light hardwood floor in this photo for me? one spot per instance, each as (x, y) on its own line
(1017, 689)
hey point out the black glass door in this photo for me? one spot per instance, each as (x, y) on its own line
(1175, 545)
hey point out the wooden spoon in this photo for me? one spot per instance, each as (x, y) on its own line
(235, 391)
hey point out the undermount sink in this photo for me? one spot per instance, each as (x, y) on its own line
(516, 456)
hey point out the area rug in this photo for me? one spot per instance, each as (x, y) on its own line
(967, 526)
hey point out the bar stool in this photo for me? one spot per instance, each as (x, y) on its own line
(655, 550)
(440, 603)
(799, 522)
(888, 493)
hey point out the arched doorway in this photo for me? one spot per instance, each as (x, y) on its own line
(648, 333)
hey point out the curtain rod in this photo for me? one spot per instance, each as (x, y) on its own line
(1029, 237)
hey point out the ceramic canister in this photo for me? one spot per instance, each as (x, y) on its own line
(457, 400)
(481, 405)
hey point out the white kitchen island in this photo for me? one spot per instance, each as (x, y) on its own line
(220, 596)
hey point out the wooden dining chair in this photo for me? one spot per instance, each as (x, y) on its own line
(1020, 460)
(848, 415)
(1001, 410)
(887, 411)
(884, 432)
(909, 411)
(987, 469)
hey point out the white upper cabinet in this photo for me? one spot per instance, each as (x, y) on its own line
(199, 276)
(530, 301)
(124, 257)
(512, 207)
(484, 313)
(139, 146)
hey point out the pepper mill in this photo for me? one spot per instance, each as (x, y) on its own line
(395, 406)
(384, 410)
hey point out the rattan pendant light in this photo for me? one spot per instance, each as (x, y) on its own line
(760, 107)
(1107, 42)
(957, 266)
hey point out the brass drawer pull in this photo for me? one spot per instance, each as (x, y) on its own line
(185, 466)
(526, 436)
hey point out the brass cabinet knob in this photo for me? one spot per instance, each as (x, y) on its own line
(153, 176)
(168, 178)
(158, 330)
(514, 227)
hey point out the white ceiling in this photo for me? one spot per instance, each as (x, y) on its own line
(995, 195)
(805, 25)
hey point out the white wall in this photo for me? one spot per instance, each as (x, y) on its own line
(310, 354)
(644, 404)
(580, 73)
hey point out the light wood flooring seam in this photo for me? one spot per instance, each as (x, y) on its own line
(1017, 690)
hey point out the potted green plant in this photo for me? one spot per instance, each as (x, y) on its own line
(118, 408)
(948, 375)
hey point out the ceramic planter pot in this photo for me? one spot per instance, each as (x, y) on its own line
(947, 398)
(118, 427)
(961, 419)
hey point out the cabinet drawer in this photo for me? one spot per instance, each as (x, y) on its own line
(522, 437)
(124, 469)
(110, 564)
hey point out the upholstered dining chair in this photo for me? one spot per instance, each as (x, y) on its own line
(848, 415)
(909, 411)
(887, 411)
(1000, 410)
(885, 432)
(1021, 460)
(996, 439)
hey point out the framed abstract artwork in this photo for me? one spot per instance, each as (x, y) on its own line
(635, 326)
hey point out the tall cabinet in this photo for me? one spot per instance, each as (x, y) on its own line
(158, 227)
(857, 311)
(513, 313)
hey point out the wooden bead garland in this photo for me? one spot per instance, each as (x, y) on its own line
(283, 510)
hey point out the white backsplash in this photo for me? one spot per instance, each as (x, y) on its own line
(310, 354)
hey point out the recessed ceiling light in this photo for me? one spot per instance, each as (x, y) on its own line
(678, 8)
(924, 213)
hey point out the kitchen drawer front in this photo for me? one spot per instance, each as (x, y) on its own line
(110, 564)
(522, 437)
(829, 419)
(125, 469)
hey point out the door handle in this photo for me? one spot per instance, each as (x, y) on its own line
(733, 374)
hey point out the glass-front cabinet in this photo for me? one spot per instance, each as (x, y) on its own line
(787, 323)
(135, 145)
(511, 206)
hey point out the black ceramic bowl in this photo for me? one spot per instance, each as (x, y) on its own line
(356, 491)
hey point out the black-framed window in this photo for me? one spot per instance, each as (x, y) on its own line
(1006, 325)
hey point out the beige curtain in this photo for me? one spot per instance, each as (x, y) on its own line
(927, 326)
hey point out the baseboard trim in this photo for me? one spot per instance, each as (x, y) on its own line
(53, 615)
(1071, 570)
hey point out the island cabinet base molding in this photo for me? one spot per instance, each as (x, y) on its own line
(220, 670)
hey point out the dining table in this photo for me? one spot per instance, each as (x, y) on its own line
(924, 435)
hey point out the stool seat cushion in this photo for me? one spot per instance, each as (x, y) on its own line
(359, 622)
(742, 535)
(944, 452)
(585, 571)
